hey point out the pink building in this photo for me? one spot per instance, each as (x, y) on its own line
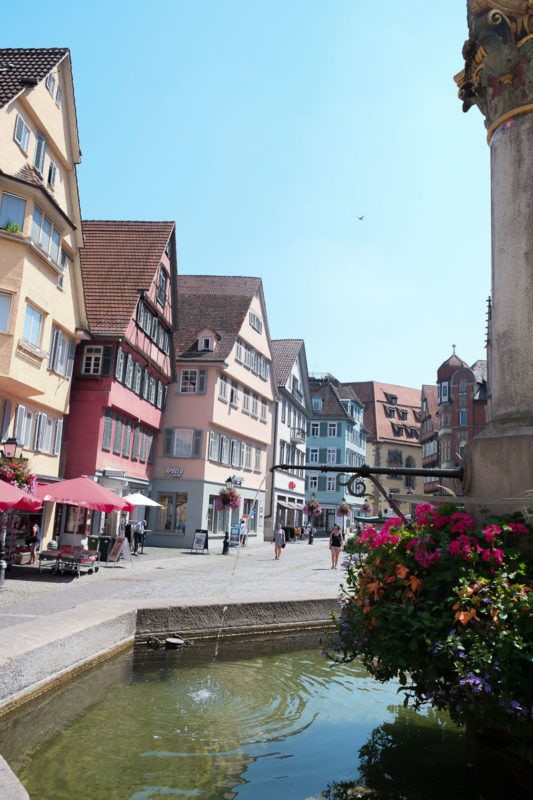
(124, 367)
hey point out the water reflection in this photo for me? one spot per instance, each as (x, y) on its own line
(185, 724)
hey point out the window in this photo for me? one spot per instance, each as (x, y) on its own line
(126, 441)
(119, 365)
(50, 83)
(137, 378)
(214, 446)
(257, 461)
(162, 287)
(223, 387)
(315, 429)
(317, 404)
(234, 394)
(248, 456)
(463, 417)
(332, 429)
(5, 312)
(183, 443)
(22, 133)
(40, 150)
(59, 96)
(97, 360)
(331, 455)
(52, 172)
(313, 483)
(246, 401)
(263, 411)
(443, 392)
(12, 210)
(238, 350)
(463, 386)
(313, 455)
(46, 235)
(255, 402)
(256, 322)
(206, 343)
(193, 381)
(117, 439)
(32, 326)
(44, 427)
(331, 483)
(62, 349)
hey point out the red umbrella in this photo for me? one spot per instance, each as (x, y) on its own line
(13, 497)
(85, 493)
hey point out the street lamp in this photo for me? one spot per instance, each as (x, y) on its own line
(9, 447)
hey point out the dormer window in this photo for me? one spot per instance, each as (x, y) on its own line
(206, 343)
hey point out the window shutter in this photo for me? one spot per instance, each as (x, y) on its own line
(119, 365)
(202, 381)
(40, 425)
(322, 455)
(140, 313)
(58, 437)
(323, 428)
(40, 150)
(6, 417)
(19, 423)
(322, 483)
(53, 348)
(70, 359)
(107, 354)
(197, 444)
(150, 438)
(169, 442)
(108, 427)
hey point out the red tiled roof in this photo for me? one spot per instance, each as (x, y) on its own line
(216, 302)
(332, 392)
(376, 398)
(23, 67)
(118, 259)
(284, 354)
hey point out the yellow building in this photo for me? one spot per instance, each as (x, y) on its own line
(41, 302)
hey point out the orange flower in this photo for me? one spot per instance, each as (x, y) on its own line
(401, 570)
(464, 617)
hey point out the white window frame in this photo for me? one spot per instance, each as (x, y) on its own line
(33, 325)
(331, 455)
(332, 429)
(223, 387)
(21, 134)
(192, 381)
(331, 483)
(313, 455)
(5, 312)
(93, 357)
(40, 152)
(12, 210)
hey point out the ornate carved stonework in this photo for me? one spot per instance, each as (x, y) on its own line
(498, 73)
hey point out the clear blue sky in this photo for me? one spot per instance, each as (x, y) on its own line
(265, 128)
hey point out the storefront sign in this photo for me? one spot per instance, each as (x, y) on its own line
(176, 471)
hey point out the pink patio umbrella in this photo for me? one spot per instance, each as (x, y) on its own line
(13, 497)
(83, 493)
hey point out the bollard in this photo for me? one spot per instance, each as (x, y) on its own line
(225, 546)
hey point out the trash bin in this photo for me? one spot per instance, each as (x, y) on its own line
(92, 542)
(104, 545)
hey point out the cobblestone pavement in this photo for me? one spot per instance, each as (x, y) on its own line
(176, 577)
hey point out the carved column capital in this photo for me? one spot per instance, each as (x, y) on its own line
(498, 73)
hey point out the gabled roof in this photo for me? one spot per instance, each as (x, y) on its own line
(217, 302)
(376, 397)
(23, 67)
(284, 353)
(332, 393)
(117, 260)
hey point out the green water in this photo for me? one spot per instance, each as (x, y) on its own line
(248, 722)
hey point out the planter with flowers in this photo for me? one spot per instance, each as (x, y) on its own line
(312, 508)
(228, 498)
(343, 509)
(445, 607)
(15, 471)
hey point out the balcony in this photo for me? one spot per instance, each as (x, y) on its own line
(297, 436)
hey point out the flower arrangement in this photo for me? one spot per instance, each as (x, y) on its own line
(445, 607)
(343, 509)
(227, 498)
(312, 508)
(15, 472)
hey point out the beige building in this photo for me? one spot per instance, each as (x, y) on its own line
(392, 421)
(41, 302)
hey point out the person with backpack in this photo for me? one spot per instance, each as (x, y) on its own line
(336, 542)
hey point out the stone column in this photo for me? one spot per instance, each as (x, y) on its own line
(498, 78)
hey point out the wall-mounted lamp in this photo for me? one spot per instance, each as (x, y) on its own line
(229, 482)
(9, 447)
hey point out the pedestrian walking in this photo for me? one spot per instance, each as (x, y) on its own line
(243, 532)
(138, 533)
(279, 541)
(336, 542)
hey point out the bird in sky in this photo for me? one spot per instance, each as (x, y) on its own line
(361, 218)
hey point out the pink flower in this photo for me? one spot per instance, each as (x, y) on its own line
(490, 532)
(518, 527)
(462, 523)
(462, 546)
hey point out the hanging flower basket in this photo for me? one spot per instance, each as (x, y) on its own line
(343, 509)
(15, 472)
(313, 508)
(227, 498)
